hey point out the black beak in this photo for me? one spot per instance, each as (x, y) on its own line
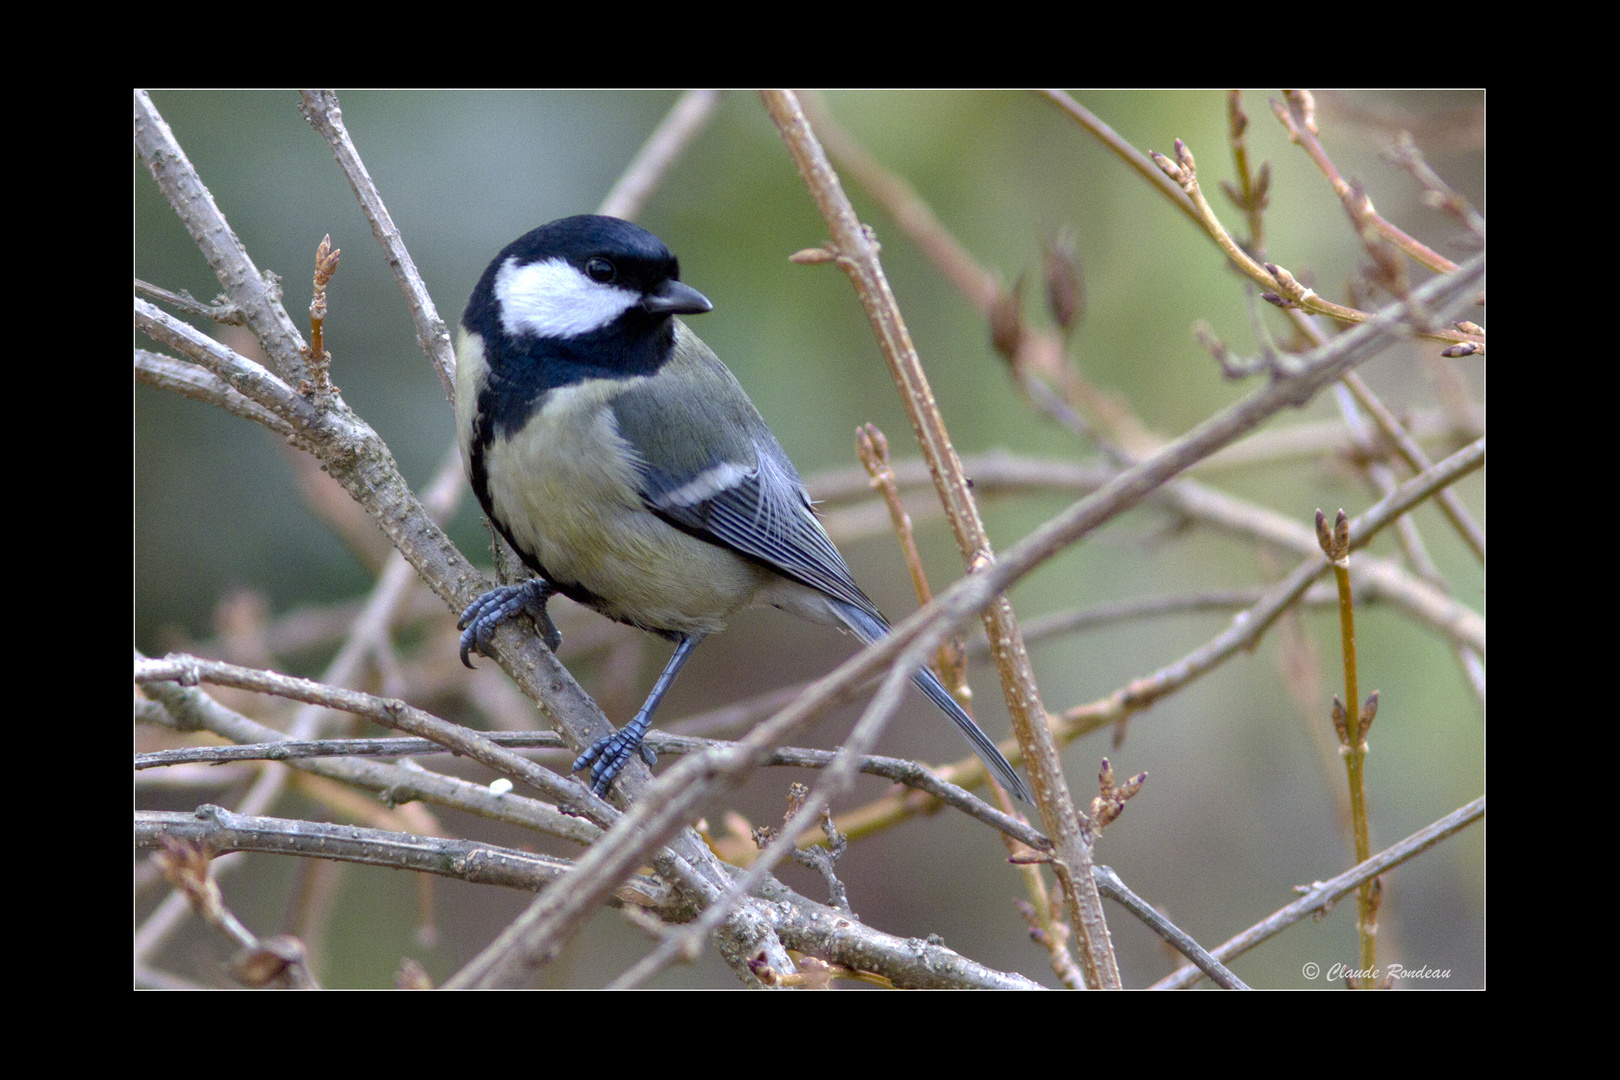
(675, 298)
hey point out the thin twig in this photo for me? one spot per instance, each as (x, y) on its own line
(857, 257)
(684, 121)
(872, 447)
(1183, 172)
(1417, 461)
(1249, 626)
(320, 108)
(1036, 354)
(1437, 192)
(1251, 193)
(254, 294)
(218, 830)
(1293, 118)
(1351, 723)
(1323, 895)
(191, 709)
(897, 770)
(199, 384)
(1115, 889)
(386, 712)
(275, 961)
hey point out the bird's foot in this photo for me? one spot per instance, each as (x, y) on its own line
(611, 754)
(483, 615)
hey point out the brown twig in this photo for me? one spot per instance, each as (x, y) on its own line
(1295, 116)
(320, 361)
(1323, 895)
(857, 257)
(668, 141)
(254, 295)
(1437, 192)
(320, 108)
(1450, 505)
(1182, 171)
(872, 447)
(1252, 192)
(1247, 628)
(218, 830)
(1036, 357)
(276, 961)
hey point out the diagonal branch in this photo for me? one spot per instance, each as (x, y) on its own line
(857, 256)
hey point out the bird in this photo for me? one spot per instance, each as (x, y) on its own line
(627, 467)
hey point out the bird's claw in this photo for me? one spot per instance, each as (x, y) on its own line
(610, 755)
(481, 618)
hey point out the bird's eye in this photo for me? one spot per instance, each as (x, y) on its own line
(600, 270)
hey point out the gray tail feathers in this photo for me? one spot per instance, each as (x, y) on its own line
(869, 627)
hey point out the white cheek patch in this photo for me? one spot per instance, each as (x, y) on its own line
(552, 299)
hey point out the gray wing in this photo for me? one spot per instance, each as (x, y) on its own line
(710, 466)
(764, 513)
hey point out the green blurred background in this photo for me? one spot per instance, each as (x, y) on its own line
(1237, 809)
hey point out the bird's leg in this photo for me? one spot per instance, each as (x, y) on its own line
(483, 615)
(612, 753)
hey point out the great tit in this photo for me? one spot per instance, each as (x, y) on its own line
(628, 469)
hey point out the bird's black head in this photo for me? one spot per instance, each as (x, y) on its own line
(596, 288)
